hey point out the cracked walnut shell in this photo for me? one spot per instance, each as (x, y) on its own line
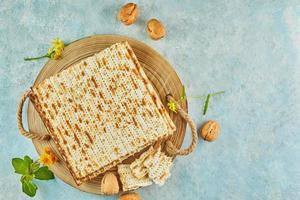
(109, 184)
(210, 130)
(128, 13)
(130, 196)
(155, 29)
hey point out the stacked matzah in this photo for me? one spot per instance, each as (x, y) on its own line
(101, 111)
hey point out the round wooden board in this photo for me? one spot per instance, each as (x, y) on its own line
(158, 70)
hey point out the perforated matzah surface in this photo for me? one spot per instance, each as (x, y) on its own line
(129, 181)
(137, 167)
(101, 110)
(159, 168)
(153, 164)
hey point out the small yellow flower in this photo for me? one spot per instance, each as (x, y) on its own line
(58, 44)
(45, 160)
(172, 106)
(56, 41)
(48, 157)
(54, 52)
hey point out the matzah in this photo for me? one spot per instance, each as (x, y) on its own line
(159, 169)
(129, 181)
(152, 164)
(137, 167)
(100, 111)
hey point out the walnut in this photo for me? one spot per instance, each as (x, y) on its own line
(155, 29)
(128, 13)
(109, 184)
(130, 196)
(210, 131)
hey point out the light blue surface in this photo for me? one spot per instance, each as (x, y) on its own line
(249, 48)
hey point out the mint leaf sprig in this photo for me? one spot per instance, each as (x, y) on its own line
(30, 170)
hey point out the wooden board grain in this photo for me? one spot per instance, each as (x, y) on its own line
(158, 70)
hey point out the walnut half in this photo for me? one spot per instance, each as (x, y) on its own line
(130, 196)
(128, 13)
(109, 184)
(155, 29)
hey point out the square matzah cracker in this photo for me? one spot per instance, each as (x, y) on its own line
(101, 111)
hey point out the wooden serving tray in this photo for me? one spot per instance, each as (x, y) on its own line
(158, 70)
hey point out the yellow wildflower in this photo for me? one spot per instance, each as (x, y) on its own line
(172, 106)
(48, 157)
(58, 44)
(54, 52)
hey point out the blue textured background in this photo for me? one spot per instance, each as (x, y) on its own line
(249, 48)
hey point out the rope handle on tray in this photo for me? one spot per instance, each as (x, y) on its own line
(170, 147)
(20, 122)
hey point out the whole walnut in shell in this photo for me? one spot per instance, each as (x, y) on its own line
(130, 196)
(128, 13)
(155, 29)
(210, 130)
(109, 184)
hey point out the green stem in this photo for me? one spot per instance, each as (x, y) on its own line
(206, 103)
(36, 58)
(183, 94)
(208, 97)
(197, 97)
(217, 93)
(203, 96)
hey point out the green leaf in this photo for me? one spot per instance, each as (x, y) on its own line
(207, 100)
(183, 94)
(217, 93)
(28, 177)
(44, 173)
(34, 167)
(21, 166)
(29, 188)
(206, 103)
(28, 160)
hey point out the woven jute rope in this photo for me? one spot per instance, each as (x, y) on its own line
(170, 147)
(27, 134)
